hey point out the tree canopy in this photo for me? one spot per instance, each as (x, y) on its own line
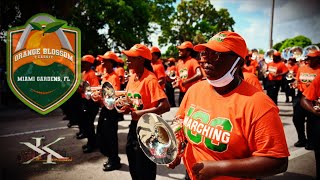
(300, 41)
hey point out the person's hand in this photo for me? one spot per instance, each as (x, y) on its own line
(135, 115)
(204, 170)
(174, 163)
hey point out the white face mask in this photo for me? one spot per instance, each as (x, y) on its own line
(225, 79)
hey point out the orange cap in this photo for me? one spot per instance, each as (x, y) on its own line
(186, 44)
(314, 54)
(120, 60)
(276, 53)
(139, 50)
(171, 59)
(99, 58)
(155, 49)
(109, 55)
(225, 41)
(88, 58)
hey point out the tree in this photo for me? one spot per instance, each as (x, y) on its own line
(278, 45)
(196, 21)
(300, 41)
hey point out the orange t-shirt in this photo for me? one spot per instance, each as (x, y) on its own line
(305, 76)
(313, 91)
(158, 70)
(112, 78)
(119, 71)
(144, 92)
(100, 69)
(276, 68)
(90, 77)
(171, 68)
(252, 79)
(240, 124)
(254, 63)
(293, 69)
(185, 70)
(250, 69)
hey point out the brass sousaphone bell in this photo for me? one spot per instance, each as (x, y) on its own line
(158, 140)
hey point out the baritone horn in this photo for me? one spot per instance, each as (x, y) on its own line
(316, 104)
(172, 75)
(157, 139)
(289, 75)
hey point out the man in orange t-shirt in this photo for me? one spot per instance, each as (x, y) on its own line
(276, 70)
(157, 66)
(188, 69)
(305, 76)
(250, 65)
(226, 121)
(120, 72)
(290, 78)
(310, 96)
(148, 97)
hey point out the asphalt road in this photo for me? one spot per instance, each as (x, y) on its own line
(20, 124)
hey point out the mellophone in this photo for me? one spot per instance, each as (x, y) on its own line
(162, 143)
(111, 98)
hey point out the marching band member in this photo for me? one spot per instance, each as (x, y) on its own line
(310, 95)
(169, 88)
(120, 72)
(107, 129)
(305, 76)
(293, 69)
(188, 69)
(276, 70)
(157, 66)
(148, 97)
(226, 121)
(90, 108)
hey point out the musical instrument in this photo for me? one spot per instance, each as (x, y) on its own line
(268, 55)
(172, 75)
(284, 53)
(158, 140)
(295, 52)
(110, 98)
(290, 75)
(309, 49)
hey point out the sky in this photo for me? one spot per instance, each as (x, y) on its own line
(253, 18)
(291, 18)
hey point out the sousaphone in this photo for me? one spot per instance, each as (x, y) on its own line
(158, 140)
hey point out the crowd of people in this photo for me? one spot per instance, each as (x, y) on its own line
(225, 111)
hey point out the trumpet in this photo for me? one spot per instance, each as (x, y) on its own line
(289, 76)
(160, 142)
(172, 75)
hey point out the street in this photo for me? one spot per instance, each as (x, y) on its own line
(20, 124)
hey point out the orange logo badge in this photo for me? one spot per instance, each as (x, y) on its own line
(43, 62)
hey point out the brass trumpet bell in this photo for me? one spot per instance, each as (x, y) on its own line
(87, 89)
(156, 139)
(108, 95)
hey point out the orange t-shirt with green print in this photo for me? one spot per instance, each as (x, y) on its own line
(144, 92)
(240, 124)
(276, 68)
(312, 93)
(112, 78)
(91, 78)
(305, 76)
(185, 70)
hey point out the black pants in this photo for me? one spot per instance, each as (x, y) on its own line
(273, 90)
(107, 134)
(289, 91)
(72, 108)
(181, 95)
(170, 94)
(299, 119)
(140, 166)
(90, 111)
(315, 125)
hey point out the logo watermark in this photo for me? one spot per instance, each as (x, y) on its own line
(42, 153)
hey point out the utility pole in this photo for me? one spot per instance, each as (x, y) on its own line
(271, 24)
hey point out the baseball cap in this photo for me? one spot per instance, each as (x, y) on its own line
(186, 44)
(120, 60)
(171, 59)
(314, 54)
(88, 58)
(225, 41)
(138, 50)
(109, 55)
(276, 53)
(154, 49)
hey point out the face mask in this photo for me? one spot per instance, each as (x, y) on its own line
(225, 79)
